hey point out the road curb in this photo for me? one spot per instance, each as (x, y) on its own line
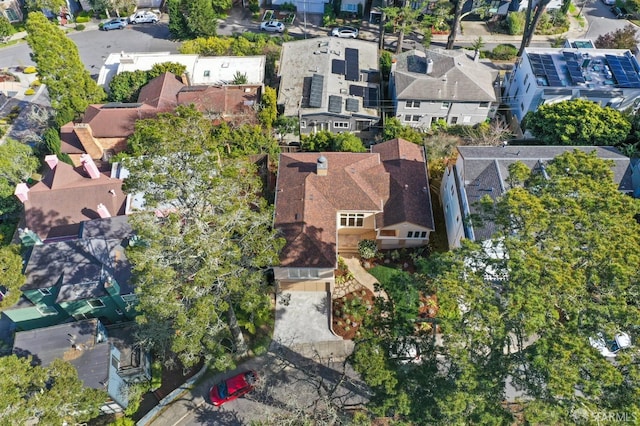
(185, 387)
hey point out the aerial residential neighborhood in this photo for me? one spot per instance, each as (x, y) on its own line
(319, 212)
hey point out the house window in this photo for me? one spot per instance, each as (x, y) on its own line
(352, 220)
(350, 7)
(445, 105)
(454, 120)
(12, 15)
(207, 73)
(521, 106)
(47, 310)
(362, 125)
(303, 124)
(409, 117)
(388, 232)
(452, 190)
(526, 77)
(341, 124)
(412, 104)
(129, 298)
(303, 273)
(416, 234)
(484, 104)
(44, 291)
(95, 303)
(528, 86)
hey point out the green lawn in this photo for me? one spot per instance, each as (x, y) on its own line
(386, 275)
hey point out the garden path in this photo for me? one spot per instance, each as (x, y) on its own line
(363, 277)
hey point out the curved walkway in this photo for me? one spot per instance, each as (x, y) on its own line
(362, 277)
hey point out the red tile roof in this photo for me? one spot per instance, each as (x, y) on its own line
(389, 181)
(67, 196)
(232, 103)
(161, 92)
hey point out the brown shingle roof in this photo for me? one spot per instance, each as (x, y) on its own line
(116, 120)
(161, 92)
(387, 181)
(232, 103)
(67, 196)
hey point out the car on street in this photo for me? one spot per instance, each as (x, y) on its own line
(232, 388)
(115, 24)
(620, 12)
(272, 26)
(143, 17)
(345, 32)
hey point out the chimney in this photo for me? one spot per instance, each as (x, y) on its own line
(103, 211)
(322, 166)
(22, 192)
(429, 65)
(89, 166)
(51, 160)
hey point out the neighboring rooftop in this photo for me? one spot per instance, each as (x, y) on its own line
(329, 74)
(67, 196)
(487, 168)
(584, 68)
(439, 74)
(77, 342)
(209, 70)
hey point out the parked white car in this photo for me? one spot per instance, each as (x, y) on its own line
(272, 26)
(143, 17)
(610, 348)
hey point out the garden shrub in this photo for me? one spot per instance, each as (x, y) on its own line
(36, 83)
(80, 27)
(29, 92)
(82, 19)
(30, 70)
(515, 23)
(367, 249)
(504, 52)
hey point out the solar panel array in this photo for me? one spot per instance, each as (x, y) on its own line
(356, 90)
(543, 67)
(351, 56)
(335, 104)
(315, 95)
(338, 66)
(575, 72)
(623, 71)
(352, 105)
(371, 98)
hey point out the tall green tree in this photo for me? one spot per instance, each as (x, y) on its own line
(201, 18)
(17, 164)
(404, 19)
(268, 108)
(40, 5)
(532, 18)
(393, 128)
(519, 309)
(334, 142)
(11, 272)
(622, 38)
(47, 395)
(6, 29)
(578, 122)
(70, 86)
(200, 274)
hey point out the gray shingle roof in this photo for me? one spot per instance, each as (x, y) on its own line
(455, 77)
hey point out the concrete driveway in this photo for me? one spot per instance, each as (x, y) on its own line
(303, 317)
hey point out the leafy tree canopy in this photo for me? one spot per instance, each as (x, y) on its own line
(11, 272)
(17, 164)
(39, 5)
(70, 86)
(195, 18)
(268, 108)
(393, 128)
(200, 276)
(244, 140)
(622, 38)
(520, 309)
(6, 29)
(578, 122)
(126, 86)
(335, 142)
(49, 395)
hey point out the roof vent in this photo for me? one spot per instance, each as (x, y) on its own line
(322, 166)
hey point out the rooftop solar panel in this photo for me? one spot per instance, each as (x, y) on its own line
(353, 64)
(371, 98)
(335, 104)
(356, 90)
(337, 66)
(315, 96)
(352, 105)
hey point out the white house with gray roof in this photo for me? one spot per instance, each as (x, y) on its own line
(483, 170)
(332, 84)
(450, 85)
(609, 77)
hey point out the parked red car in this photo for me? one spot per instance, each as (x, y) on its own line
(233, 387)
